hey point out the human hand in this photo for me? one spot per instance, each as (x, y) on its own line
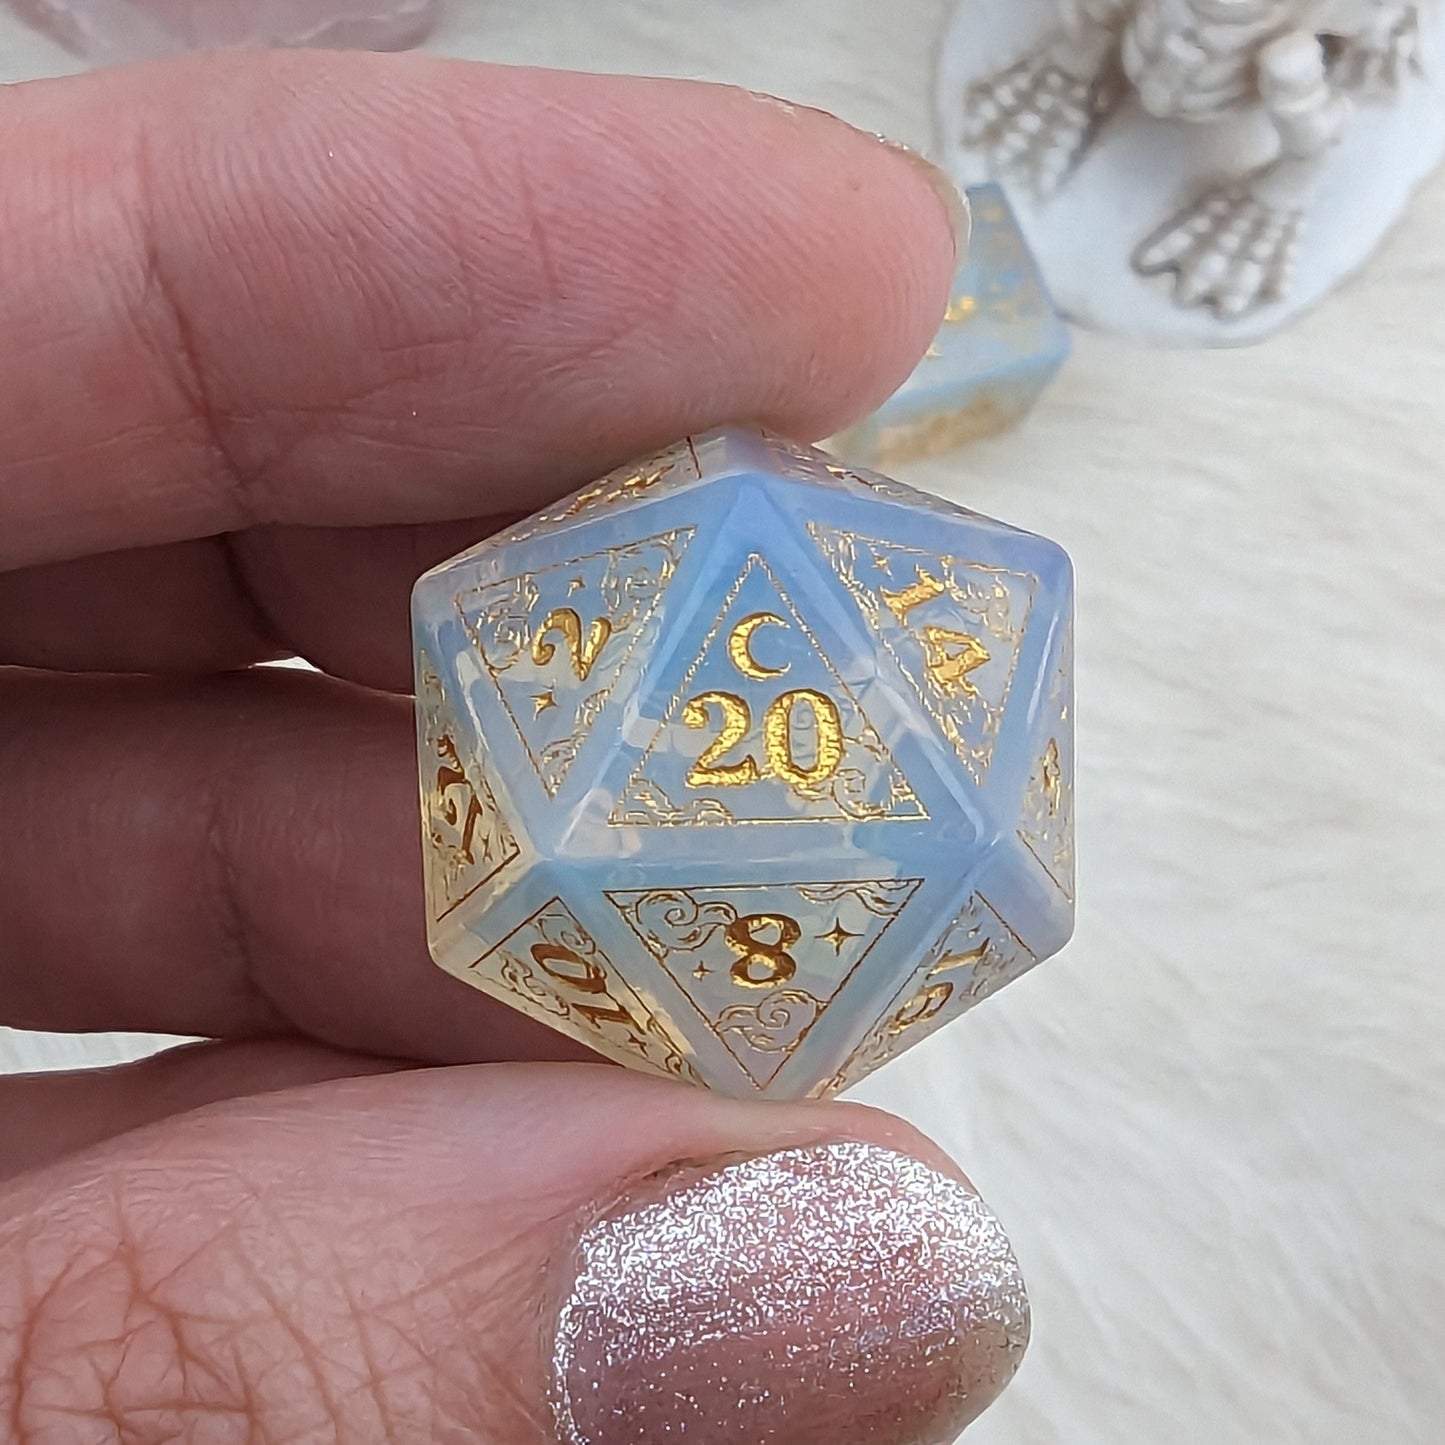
(279, 330)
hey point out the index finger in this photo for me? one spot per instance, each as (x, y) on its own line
(348, 289)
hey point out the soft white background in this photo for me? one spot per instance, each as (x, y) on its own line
(1216, 1125)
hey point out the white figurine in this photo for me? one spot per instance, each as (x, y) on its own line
(1259, 148)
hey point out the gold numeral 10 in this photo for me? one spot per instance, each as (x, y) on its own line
(583, 977)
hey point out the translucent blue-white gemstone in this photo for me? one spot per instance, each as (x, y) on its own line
(1001, 343)
(745, 768)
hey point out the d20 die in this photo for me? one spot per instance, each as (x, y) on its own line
(745, 768)
(1000, 345)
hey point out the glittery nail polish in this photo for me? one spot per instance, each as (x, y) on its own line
(814, 1297)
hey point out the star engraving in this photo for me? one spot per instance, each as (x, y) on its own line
(544, 702)
(701, 972)
(575, 585)
(837, 935)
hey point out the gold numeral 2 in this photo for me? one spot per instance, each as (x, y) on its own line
(582, 650)
(737, 723)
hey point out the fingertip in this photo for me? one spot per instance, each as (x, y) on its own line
(341, 289)
(880, 249)
(499, 1245)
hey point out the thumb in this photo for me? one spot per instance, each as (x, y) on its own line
(512, 1254)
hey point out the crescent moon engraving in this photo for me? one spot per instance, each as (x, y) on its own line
(740, 646)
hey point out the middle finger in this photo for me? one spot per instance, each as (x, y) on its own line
(230, 857)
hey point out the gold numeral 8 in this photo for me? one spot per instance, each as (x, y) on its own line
(761, 964)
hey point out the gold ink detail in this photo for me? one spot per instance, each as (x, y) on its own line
(555, 972)
(736, 725)
(977, 954)
(931, 999)
(926, 589)
(451, 775)
(844, 770)
(676, 467)
(837, 935)
(1053, 775)
(933, 353)
(582, 650)
(467, 838)
(762, 964)
(998, 601)
(740, 646)
(765, 944)
(498, 618)
(567, 967)
(1047, 825)
(778, 738)
(943, 431)
(950, 657)
(615, 489)
(960, 309)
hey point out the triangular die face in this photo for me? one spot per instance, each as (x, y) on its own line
(662, 474)
(762, 962)
(465, 836)
(763, 729)
(976, 955)
(1047, 825)
(552, 969)
(555, 641)
(953, 627)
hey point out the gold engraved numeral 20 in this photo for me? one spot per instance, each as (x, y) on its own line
(582, 648)
(737, 722)
(782, 761)
(761, 963)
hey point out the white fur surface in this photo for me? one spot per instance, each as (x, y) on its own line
(1216, 1125)
(1142, 172)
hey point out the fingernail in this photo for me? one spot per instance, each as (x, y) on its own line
(815, 1297)
(955, 203)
